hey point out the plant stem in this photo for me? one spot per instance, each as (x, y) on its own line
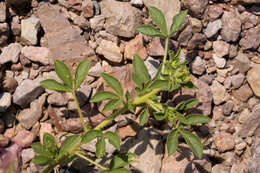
(91, 161)
(165, 54)
(157, 107)
(112, 117)
(80, 113)
(144, 98)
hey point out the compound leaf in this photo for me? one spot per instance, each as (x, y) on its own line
(81, 72)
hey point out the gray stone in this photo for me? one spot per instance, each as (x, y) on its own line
(28, 117)
(253, 162)
(64, 42)
(27, 91)
(195, 24)
(232, 51)
(197, 41)
(220, 94)
(137, 3)
(148, 147)
(2, 11)
(224, 141)
(121, 18)
(109, 50)
(220, 48)
(27, 155)
(253, 79)
(96, 70)
(243, 93)
(97, 22)
(29, 30)
(228, 107)
(169, 8)
(57, 98)
(220, 62)
(10, 53)
(214, 12)
(251, 124)
(237, 80)
(241, 62)
(243, 116)
(195, 7)
(37, 54)
(152, 66)
(198, 66)
(185, 36)
(212, 28)
(231, 26)
(5, 101)
(251, 40)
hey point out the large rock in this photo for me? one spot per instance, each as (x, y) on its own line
(169, 8)
(252, 124)
(253, 79)
(64, 42)
(224, 141)
(195, 7)
(212, 28)
(27, 91)
(37, 54)
(231, 26)
(29, 30)
(184, 161)
(109, 50)
(28, 117)
(220, 94)
(252, 39)
(149, 148)
(11, 53)
(121, 18)
(254, 160)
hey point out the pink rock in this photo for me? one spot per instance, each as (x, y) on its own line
(135, 46)
(24, 138)
(45, 128)
(224, 141)
(155, 47)
(37, 54)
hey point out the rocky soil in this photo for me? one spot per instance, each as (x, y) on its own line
(221, 39)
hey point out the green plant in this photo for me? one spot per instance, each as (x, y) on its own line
(172, 74)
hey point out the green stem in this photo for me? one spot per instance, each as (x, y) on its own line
(112, 117)
(144, 98)
(80, 113)
(165, 54)
(157, 107)
(91, 161)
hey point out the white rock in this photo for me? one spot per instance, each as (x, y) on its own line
(198, 66)
(37, 54)
(220, 94)
(152, 66)
(220, 62)
(29, 30)
(5, 101)
(10, 53)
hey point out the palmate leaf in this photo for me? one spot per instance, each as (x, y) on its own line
(194, 142)
(177, 21)
(90, 135)
(158, 19)
(113, 139)
(70, 143)
(113, 83)
(100, 147)
(172, 142)
(42, 160)
(150, 31)
(188, 104)
(52, 84)
(81, 72)
(63, 72)
(49, 144)
(143, 117)
(103, 95)
(140, 75)
(111, 105)
(122, 160)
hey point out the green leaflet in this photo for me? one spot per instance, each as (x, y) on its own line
(81, 73)
(172, 142)
(113, 83)
(63, 72)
